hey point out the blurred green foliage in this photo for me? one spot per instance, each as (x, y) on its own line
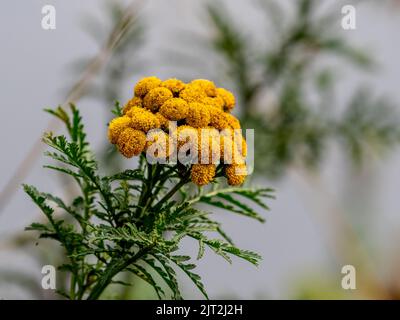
(296, 127)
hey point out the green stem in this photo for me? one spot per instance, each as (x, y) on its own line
(146, 190)
(115, 267)
(180, 184)
(72, 287)
(150, 195)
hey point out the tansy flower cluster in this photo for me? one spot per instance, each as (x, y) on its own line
(205, 134)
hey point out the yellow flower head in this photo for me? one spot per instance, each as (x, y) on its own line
(212, 131)
(209, 145)
(222, 120)
(142, 119)
(174, 85)
(186, 135)
(145, 85)
(230, 150)
(218, 119)
(236, 174)
(131, 142)
(233, 122)
(217, 102)
(175, 109)
(202, 174)
(116, 127)
(198, 116)
(207, 86)
(192, 93)
(156, 97)
(203, 132)
(158, 144)
(134, 102)
(228, 97)
(164, 122)
(244, 146)
(237, 138)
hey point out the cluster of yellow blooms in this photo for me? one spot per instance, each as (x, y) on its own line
(194, 106)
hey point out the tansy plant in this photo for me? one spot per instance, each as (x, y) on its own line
(133, 221)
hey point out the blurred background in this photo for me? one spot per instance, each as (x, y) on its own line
(324, 103)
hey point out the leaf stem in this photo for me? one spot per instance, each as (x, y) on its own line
(115, 266)
(182, 182)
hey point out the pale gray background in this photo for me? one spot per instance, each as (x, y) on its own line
(34, 75)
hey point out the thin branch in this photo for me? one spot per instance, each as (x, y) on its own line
(182, 182)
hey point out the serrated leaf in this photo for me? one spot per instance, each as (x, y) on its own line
(166, 272)
(146, 276)
(200, 253)
(127, 175)
(186, 268)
